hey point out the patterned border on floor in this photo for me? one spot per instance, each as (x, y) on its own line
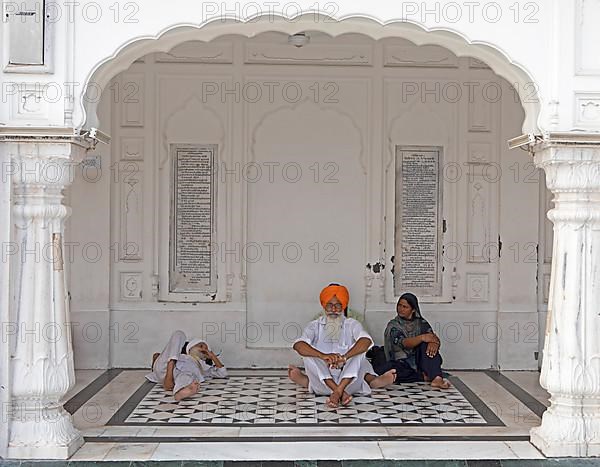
(243, 415)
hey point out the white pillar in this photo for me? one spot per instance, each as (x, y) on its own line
(41, 357)
(571, 364)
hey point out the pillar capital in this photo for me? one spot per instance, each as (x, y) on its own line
(571, 166)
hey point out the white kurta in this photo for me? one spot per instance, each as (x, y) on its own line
(356, 367)
(186, 369)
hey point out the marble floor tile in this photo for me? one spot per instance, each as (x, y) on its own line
(103, 405)
(248, 400)
(268, 451)
(92, 451)
(121, 431)
(306, 431)
(530, 382)
(131, 451)
(82, 379)
(508, 408)
(198, 431)
(524, 450)
(408, 405)
(446, 450)
(96, 431)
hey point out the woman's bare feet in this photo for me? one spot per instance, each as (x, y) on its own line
(297, 376)
(383, 380)
(187, 391)
(440, 383)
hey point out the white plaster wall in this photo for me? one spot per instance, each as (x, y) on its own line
(518, 265)
(90, 255)
(5, 316)
(315, 207)
(373, 112)
(537, 37)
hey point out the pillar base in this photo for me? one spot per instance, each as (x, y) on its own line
(45, 452)
(568, 431)
(46, 433)
(553, 448)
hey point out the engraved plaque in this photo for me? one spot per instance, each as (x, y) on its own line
(192, 265)
(26, 32)
(418, 235)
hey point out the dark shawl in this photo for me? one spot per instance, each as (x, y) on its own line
(400, 328)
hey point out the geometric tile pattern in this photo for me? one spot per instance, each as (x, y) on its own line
(275, 400)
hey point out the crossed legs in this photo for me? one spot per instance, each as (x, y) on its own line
(318, 379)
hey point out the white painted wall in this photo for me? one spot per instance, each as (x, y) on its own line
(90, 257)
(518, 265)
(5, 315)
(369, 110)
(536, 38)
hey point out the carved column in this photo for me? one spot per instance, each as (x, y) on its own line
(571, 365)
(41, 358)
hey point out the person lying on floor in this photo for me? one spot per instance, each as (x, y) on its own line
(333, 349)
(411, 346)
(183, 365)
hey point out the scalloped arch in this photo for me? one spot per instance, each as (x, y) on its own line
(418, 34)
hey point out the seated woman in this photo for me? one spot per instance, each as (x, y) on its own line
(410, 341)
(183, 365)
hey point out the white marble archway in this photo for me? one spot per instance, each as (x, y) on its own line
(571, 427)
(452, 40)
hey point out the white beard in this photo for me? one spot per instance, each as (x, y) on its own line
(199, 357)
(333, 328)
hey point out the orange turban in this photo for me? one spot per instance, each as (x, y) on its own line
(339, 291)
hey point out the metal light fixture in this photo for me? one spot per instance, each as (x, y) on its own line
(95, 136)
(298, 40)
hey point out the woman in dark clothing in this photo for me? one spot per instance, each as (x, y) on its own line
(410, 342)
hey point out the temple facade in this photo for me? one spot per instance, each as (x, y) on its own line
(211, 168)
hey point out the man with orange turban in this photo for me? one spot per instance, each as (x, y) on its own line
(333, 349)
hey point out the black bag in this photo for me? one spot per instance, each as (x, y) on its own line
(404, 372)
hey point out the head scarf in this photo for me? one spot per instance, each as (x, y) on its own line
(400, 328)
(339, 291)
(413, 301)
(192, 343)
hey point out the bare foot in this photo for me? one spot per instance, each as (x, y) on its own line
(346, 398)
(169, 382)
(333, 400)
(384, 380)
(441, 383)
(297, 376)
(154, 357)
(187, 391)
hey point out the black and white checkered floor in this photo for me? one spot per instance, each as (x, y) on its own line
(274, 400)
(259, 414)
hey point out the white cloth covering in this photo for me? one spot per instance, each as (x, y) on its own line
(186, 368)
(356, 367)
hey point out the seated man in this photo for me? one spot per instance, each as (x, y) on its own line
(333, 349)
(182, 366)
